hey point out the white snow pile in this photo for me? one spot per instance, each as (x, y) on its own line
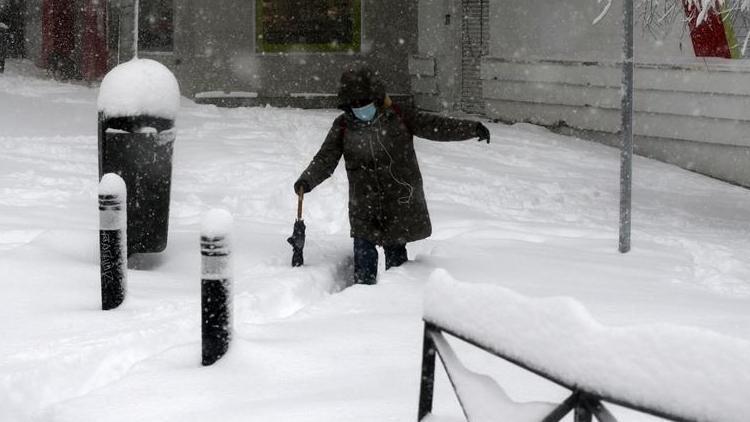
(113, 219)
(689, 372)
(216, 222)
(112, 184)
(139, 87)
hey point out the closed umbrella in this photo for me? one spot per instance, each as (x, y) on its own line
(298, 234)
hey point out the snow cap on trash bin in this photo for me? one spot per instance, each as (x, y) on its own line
(139, 87)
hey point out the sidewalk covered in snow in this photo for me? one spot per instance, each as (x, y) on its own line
(533, 212)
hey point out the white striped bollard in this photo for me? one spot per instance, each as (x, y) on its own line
(113, 256)
(216, 285)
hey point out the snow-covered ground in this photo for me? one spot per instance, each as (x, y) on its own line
(533, 211)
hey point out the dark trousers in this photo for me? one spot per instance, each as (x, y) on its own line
(366, 259)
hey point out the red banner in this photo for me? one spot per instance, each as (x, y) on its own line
(94, 52)
(58, 26)
(709, 38)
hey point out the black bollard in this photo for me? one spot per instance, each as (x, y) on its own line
(112, 240)
(216, 286)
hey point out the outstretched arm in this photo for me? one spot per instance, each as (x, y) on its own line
(439, 128)
(325, 161)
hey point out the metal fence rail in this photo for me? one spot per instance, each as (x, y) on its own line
(585, 404)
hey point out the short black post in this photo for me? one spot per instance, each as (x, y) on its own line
(216, 286)
(113, 240)
(3, 45)
(582, 413)
(427, 383)
(600, 412)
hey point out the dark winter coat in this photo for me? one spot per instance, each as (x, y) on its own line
(386, 201)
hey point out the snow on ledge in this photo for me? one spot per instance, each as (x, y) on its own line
(223, 94)
(312, 94)
(139, 87)
(684, 371)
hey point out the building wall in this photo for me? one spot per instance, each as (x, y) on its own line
(557, 69)
(565, 31)
(435, 70)
(215, 50)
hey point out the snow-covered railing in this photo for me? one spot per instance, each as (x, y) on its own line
(677, 373)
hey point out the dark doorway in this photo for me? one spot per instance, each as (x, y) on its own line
(11, 14)
(156, 26)
(74, 38)
(58, 35)
(94, 49)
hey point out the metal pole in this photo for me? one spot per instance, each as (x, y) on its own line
(626, 155)
(582, 413)
(427, 382)
(136, 29)
(216, 286)
(112, 240)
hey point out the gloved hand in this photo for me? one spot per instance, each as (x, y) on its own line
(483, 133)
(301, 184)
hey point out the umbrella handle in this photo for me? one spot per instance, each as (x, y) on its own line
(300, 194)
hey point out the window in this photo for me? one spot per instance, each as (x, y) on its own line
(739, 35)
(155, 25)
(308, 25)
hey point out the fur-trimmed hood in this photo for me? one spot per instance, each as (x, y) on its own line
(360, 82)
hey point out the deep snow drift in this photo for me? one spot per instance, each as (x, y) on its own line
(533, 211)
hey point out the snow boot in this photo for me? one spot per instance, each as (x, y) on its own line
(395, 255)
(365, 262)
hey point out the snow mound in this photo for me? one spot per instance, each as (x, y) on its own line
(139, 87)
(112, 184)
(689, 372)
(216, 223)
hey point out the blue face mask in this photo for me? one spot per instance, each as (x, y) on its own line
(365, 113)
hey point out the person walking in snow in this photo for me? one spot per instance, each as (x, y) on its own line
(376, 137)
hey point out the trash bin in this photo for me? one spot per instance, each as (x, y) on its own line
(4, 44)
(138, 101)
